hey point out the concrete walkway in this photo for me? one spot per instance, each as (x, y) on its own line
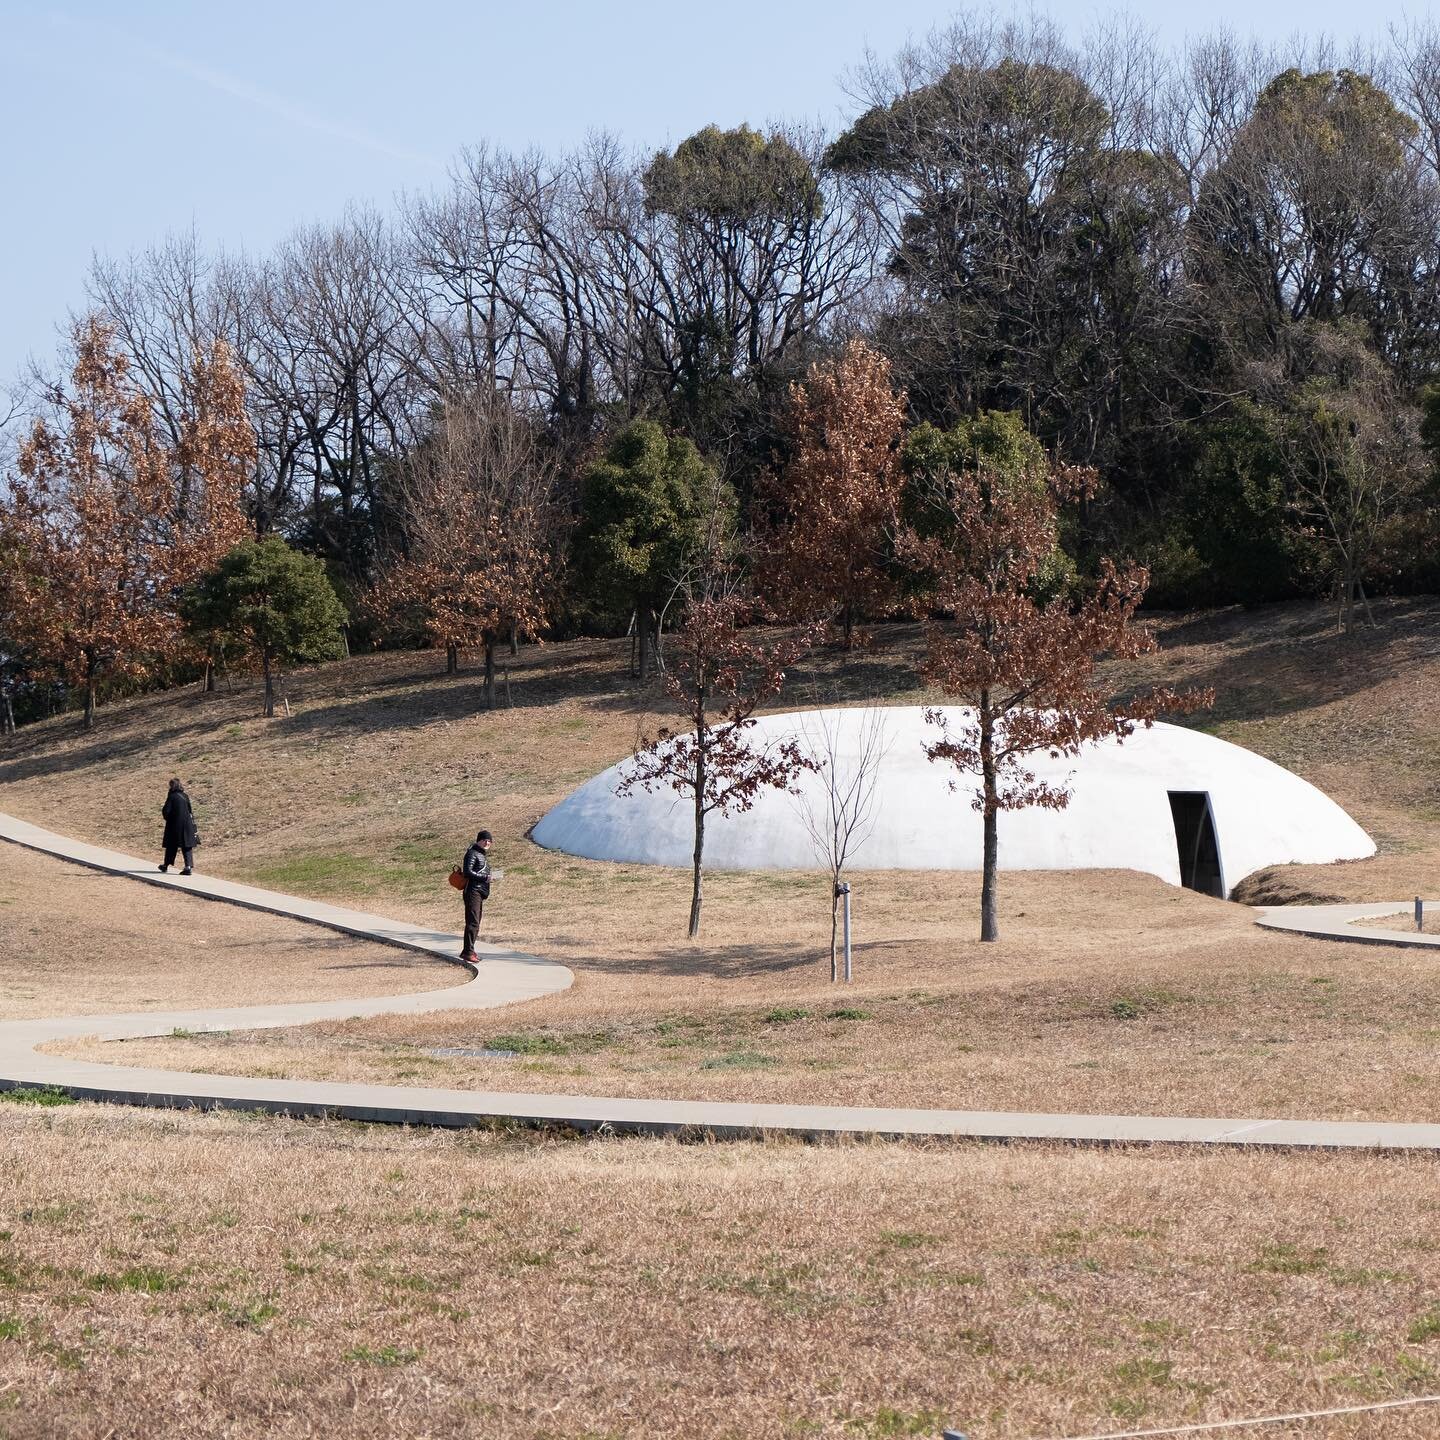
(1338, 922)
(506, 977)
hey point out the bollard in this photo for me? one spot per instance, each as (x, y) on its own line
(1419, 914)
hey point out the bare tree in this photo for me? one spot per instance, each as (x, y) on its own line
(480, 534)
(839, 814)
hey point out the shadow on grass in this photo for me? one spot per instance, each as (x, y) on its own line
(720, 962)
(400, 691)
(46, 750)
(411, 961)
(1281, 660)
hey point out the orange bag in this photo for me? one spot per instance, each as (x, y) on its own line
(457, 878)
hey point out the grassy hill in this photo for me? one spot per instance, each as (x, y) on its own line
(1110, 987)
(385, 765)
(296, 1278)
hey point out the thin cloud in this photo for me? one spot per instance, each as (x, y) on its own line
(256, 96)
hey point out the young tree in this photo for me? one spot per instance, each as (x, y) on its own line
(1008, 641)
(108, 521)
(480, 531)
(841, 817)
(717, 677)
(276, 602)
(834, 505)
(641, 514)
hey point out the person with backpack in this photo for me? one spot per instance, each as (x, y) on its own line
(475, 869)
(180, 832)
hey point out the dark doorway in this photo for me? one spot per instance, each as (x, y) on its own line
(1195, 839)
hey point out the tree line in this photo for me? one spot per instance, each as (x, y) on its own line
(1211, 276)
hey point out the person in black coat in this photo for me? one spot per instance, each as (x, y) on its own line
(180, 832)
(476, 869)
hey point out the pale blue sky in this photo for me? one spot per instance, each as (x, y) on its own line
(122, 121)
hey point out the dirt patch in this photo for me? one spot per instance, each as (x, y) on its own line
(1276, 887)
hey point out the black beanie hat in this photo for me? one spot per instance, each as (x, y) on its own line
(483, 835)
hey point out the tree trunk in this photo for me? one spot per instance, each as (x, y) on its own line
(1365, 602)
(695, 890)
(834, 925)
(88, 723)
(269, 685)
(847, 625)
(9, 718)
(643, 627)
(489, 672)
(452, 659)
(989, 919)
(514, 638)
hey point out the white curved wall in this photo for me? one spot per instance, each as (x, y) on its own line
(1118, 818)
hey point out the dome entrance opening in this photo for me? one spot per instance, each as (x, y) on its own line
(1195, 839)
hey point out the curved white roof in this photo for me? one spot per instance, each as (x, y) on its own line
(1119, 815)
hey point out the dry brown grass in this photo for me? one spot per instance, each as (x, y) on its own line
(209, 1276)
(1405, 920)
(213, 1276)
(76, 942)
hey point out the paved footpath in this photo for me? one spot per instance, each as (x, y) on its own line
(1341, 922)
(505, 977)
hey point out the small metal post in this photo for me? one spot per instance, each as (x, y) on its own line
(1419, 914)
(845, 891)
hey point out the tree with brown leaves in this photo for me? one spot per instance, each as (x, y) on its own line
(481, 534)
(833, 506)
(1007, 639)
(717, 677)
(108, 521)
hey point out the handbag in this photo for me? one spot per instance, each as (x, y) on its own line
(457, 878)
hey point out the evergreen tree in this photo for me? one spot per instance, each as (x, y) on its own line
(642, 512)
(276, 602)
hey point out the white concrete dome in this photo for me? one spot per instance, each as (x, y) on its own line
(1175, 803)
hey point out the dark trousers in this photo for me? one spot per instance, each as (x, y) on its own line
(170, 856)
(474, 909)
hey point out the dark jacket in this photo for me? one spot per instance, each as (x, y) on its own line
(476, 869)
(180, 828)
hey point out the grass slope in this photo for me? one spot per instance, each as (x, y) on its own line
(76, 942)
(1112, 991)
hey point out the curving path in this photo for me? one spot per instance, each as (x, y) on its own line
(1339, 922)
(507, 977)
